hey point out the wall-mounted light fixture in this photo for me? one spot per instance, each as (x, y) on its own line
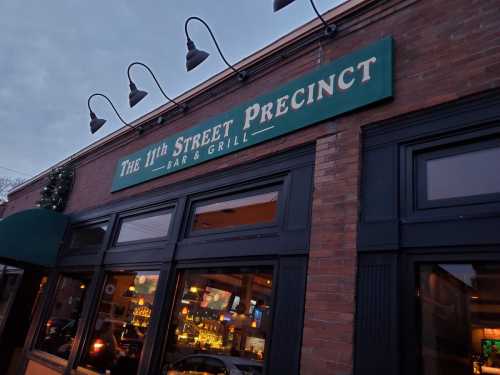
(96, 123)
(330, 29)
(136, 95)
(195, 56)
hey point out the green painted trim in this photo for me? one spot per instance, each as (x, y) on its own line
(348, 83)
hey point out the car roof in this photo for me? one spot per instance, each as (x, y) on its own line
(228, 360)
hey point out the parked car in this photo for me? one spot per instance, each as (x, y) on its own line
(213, 365)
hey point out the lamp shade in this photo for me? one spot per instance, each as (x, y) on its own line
(135, 95)
(279, 4)
(194, 56)
(95, 122)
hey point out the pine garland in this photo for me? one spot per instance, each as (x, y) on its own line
(55, 194)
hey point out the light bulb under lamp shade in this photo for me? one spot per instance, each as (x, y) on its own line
(95, 122)
(194, 56)
(135, 95)
(279, 4)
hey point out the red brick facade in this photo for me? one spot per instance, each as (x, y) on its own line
(444, 50)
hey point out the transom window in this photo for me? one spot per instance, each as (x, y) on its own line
(236, 211)
(459, 174)
(144, 227)
(89, 237)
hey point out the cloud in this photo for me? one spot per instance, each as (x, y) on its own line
(54, 54)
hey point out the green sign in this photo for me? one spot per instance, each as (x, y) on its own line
(350, 82)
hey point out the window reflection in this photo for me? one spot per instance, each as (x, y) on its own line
(463, 175)
(460, 318)
(8, 289)
(224, 315)
(122, 323)
(62, 324)
(251, 210)
(144, 227)
(88, 237)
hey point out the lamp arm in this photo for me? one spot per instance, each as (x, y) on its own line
(330, 28)
(112, 106)
(156, 81)
(213, 38)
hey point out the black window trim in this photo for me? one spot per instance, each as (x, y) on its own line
(241, 190)
(69, 251)
(169, 207)
(50, 296)
(415, 207)
(452, 149)
(105, 271)
(199, 265)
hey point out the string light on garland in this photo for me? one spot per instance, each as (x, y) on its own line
(54, 195)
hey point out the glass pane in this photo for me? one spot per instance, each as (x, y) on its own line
(460, 318)
(85, 237)
(145, 227)
(7, 294)
(122, 323)
(224, 314)
(64, 318)
(255, 209)
(464, 175)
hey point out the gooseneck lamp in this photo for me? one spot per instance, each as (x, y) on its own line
(330, 29)
(136, 95)
(96, 123)
(195, 56)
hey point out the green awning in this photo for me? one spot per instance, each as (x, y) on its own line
(32, 237)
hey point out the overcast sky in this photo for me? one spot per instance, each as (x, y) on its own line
(54, 54)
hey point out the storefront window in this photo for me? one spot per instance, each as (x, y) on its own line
(460, 318)
(64, 317)
(464, 175)
(122, 323)
(221, 322)
(230, 213)
(88, 237)
(8, 288)
(144, 227)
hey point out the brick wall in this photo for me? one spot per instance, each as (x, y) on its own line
(444, 50)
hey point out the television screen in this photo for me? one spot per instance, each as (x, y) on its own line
(215, 299)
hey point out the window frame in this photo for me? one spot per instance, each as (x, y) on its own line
(448, 150)
(175, 286)
(51, 294)
(158, 302)
(412, 181)
(230, 195)
(142, 213)
(93, 249)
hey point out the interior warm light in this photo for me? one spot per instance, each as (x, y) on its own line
(193, 289)
(268, 282)
(221, 317)
(141, 302)
(254, 324)
(185, 310)
(131, 288)
(474, 297)
(98, 345)
(82, 286)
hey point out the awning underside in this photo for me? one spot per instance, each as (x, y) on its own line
(32, 237)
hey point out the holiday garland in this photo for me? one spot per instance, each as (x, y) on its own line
(55, 194)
